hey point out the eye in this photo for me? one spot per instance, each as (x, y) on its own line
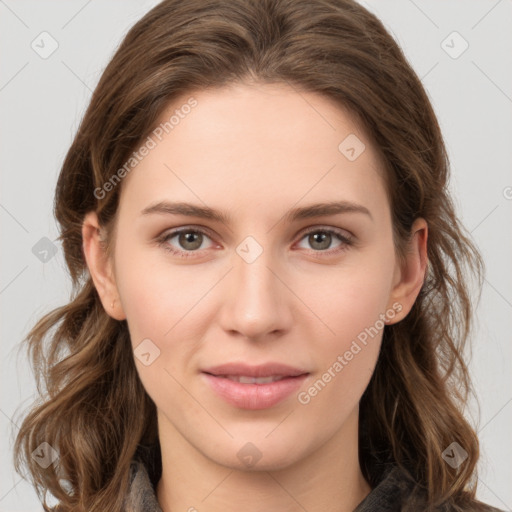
(188, 241)
(321, 239)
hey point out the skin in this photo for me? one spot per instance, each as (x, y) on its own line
(256, 151)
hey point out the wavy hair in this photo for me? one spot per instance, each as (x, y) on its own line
(93, 408)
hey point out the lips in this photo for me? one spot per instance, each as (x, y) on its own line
(262, 370)
(254, 387)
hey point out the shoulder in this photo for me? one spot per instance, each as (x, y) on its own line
(397, 491)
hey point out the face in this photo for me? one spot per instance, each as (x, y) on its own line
(298, 298)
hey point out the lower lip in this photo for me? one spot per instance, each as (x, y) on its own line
(254, 396)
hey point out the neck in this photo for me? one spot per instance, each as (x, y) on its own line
(328, 479)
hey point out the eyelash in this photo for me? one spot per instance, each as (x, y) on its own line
(163, 240)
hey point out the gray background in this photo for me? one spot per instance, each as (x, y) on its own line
(42, 101)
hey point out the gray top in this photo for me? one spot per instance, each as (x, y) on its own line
(392, 494)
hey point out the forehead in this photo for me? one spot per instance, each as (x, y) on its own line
(266, 142)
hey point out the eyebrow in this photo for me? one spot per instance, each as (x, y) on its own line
(295, 214)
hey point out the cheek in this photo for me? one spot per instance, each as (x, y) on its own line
(346, 352)
(156, 296)
(158, 301)
(351, 305)
(351, 300)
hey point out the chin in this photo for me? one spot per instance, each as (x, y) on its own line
(253, 456)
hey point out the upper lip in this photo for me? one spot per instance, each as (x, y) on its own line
(261, 370)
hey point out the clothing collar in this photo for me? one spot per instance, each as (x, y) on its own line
(386, 496)
(141, 496)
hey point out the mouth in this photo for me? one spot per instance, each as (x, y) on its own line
(271, 369)
(245, 379)
(254, 387)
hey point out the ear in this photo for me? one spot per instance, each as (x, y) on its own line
(100, 267)
(410, 274)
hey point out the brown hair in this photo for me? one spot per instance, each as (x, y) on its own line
(96, 412)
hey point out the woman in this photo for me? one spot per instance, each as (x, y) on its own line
(271, 302)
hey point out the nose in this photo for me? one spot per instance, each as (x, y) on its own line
(256, 302)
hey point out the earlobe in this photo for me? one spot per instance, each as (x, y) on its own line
(411, 273)
(100, 267)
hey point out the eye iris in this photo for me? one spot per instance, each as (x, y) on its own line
(320, 237)
(188, 238)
